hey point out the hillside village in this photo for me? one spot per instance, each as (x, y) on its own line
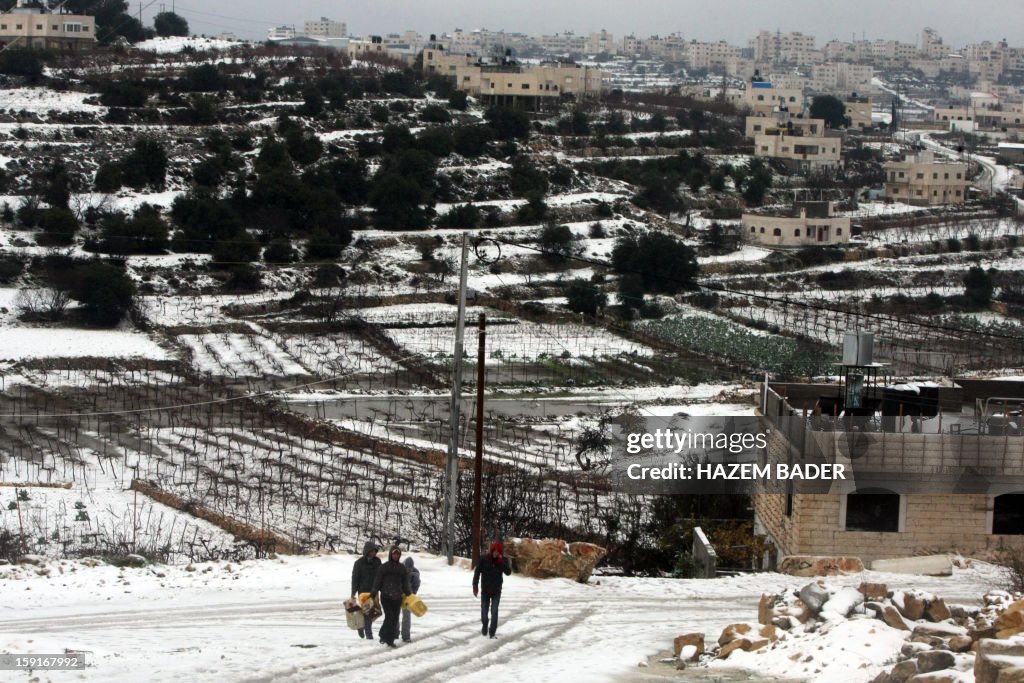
(230, 280)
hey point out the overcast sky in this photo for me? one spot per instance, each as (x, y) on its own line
(959, 22)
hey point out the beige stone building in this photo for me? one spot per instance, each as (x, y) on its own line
(811, 224)
(30, 27)
(921, 180)
(783, 123)
(325, 28)
(775, 47)
(883, 510)
(802, 152)
(858, 110)
(529, 87)
(762, 97)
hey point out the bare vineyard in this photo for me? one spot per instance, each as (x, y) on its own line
(156, 459)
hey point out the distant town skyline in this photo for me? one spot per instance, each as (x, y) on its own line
(734, 21)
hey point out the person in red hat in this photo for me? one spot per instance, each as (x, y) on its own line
(491, 573)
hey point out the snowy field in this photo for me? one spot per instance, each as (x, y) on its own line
(281, 620)
(29, 342)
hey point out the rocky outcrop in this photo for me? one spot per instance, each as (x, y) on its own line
(553, 558)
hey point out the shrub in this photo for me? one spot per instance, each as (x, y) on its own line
(106, 292)
(585, 297)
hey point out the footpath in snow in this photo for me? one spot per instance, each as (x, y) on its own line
(282, 620)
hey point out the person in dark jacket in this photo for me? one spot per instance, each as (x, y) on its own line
(489, 576)
(414, 583)
(392, 583)
(364, 571)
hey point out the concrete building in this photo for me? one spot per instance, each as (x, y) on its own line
(811, 224)
(440, 62)
(782, 123)
(325, 28)
(841, 77)
(279, 33)
(898, 501)
(801, 152)
(719, 56)
(858, 110)
(39, 28)
(923, 181)
(762, 97)
(529, 87)
(784, 48)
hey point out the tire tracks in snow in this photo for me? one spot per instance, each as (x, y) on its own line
(442, 638)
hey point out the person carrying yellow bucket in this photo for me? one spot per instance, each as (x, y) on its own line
(364, 571)
(411, 602)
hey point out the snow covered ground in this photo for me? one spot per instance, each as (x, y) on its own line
(281, 620)
(28, 342)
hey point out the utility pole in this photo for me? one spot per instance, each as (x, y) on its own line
(453, 413)
(479, 464)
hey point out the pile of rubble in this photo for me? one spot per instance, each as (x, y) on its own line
(943, 643)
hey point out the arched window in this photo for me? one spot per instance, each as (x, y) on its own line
(1008, 514)
(753, 229)
(777, 232)
(762, 229)
(839, 231)
(796, 233)
(873, 510)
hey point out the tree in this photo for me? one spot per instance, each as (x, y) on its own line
(508, 124)
(556, 241)
(658, 261)
(458, 100)
(830, 108)
(19, 61)
(399, 202)
(170, 24)
(146, 165)
(978, 287)
(106, 292)
(584, 297)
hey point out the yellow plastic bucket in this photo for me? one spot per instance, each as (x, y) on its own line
(414, 605)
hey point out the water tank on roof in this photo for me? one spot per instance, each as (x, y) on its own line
(858, 348)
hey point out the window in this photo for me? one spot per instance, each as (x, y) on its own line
(920, 176)
(796, 233)
(17, 27)
(935, 176)
(3, 27)
(918, 193)
(526, 86)
(72, 28)
(760, 98)
(762, 229)
(946, 177)
(777, 232)
(1008, 514)
(901, 174)
(873, 510)
(56, 27)
(958, 176)
(839, 231)
(753, 229)
(39, 27)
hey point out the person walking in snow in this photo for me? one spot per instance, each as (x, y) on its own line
(364, 571)
(488, 577)
(392, 583)
(414, 583)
